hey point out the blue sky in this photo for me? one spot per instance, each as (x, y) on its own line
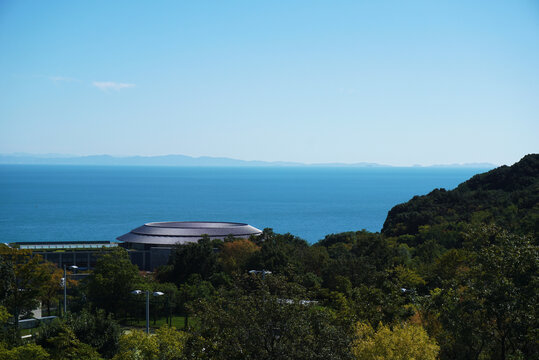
(394, 82)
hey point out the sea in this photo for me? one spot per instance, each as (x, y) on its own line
(82, 203)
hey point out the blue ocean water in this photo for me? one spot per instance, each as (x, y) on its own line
(79, 203)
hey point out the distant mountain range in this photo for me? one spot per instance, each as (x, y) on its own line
(180, 160)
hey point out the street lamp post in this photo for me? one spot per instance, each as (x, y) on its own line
(72, 267)
(156, 293)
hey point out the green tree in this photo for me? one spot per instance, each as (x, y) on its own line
(98, 330)
(166, 344)
(407, 277)
(4, 315)
(110, 284)
(378, 304)
(195, 289)
(170, 343)
(66, 346)
(456, 317)
(137, 345)
(486, 303)
(23, 352)
(52, 288)
(402, 342)
(280, 253)
(234, 255)
(23, 280)
(259, 324)
(6, 333)
(362, 257)
(192, 258)
(504, 279)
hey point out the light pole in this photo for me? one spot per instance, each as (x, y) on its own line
(156, 293)
(72, 267)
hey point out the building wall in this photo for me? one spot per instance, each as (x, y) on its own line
(151, 259)
(81, 258)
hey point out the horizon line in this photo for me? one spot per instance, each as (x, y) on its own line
(44, 157)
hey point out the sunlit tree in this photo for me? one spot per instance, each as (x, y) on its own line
(23, 279)
(402, 342)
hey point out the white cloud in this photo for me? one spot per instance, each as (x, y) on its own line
(111, 85)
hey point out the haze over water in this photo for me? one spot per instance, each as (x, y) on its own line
(78, 203)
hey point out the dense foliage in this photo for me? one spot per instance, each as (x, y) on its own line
(269, 319)
(506, 196)
(402, 342)
(110, 284)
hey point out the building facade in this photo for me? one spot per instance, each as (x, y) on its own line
(150, 245)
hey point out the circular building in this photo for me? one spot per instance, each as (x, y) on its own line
(149, 245)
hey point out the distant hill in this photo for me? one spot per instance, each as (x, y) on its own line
(104, 160)
(164, 160)
(177, 160)
(507, 196)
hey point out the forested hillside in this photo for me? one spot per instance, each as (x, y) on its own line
(507, 196)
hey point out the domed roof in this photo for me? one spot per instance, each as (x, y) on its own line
(173, 232)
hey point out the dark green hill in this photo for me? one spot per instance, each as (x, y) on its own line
(507, 196)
